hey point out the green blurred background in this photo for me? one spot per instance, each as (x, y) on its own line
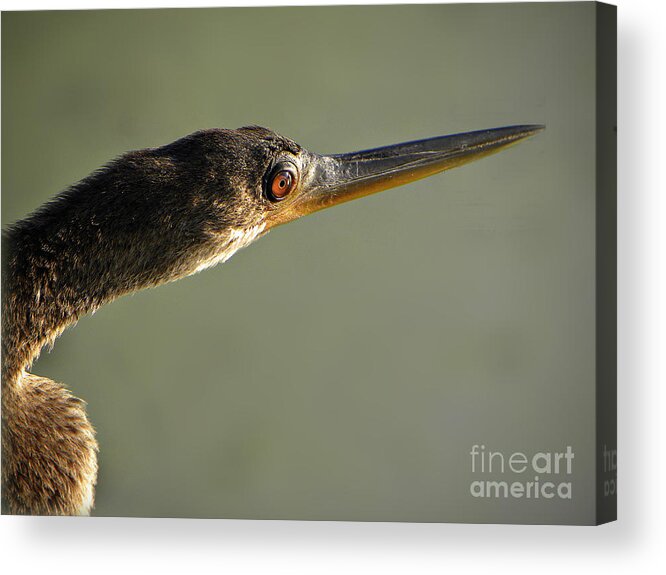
(343, 366)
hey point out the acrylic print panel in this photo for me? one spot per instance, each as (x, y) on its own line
(365, 362)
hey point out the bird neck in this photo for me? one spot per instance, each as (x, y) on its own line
(150, 217)
(79, 252)
(48, 284)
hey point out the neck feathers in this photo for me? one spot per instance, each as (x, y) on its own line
(140, 222)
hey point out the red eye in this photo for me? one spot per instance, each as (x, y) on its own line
(282, 184)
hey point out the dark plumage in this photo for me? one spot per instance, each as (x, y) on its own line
(150, 217)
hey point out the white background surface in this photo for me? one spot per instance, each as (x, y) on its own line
(632, 544)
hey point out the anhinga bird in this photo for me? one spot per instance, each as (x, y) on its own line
(153, 216)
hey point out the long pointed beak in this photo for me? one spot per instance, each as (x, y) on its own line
(332, 180)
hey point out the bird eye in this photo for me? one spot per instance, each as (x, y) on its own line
(281, 182)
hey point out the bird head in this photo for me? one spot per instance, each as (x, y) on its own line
(256, 179)
(158, 214)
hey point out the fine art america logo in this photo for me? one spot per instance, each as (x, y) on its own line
(518, 475)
